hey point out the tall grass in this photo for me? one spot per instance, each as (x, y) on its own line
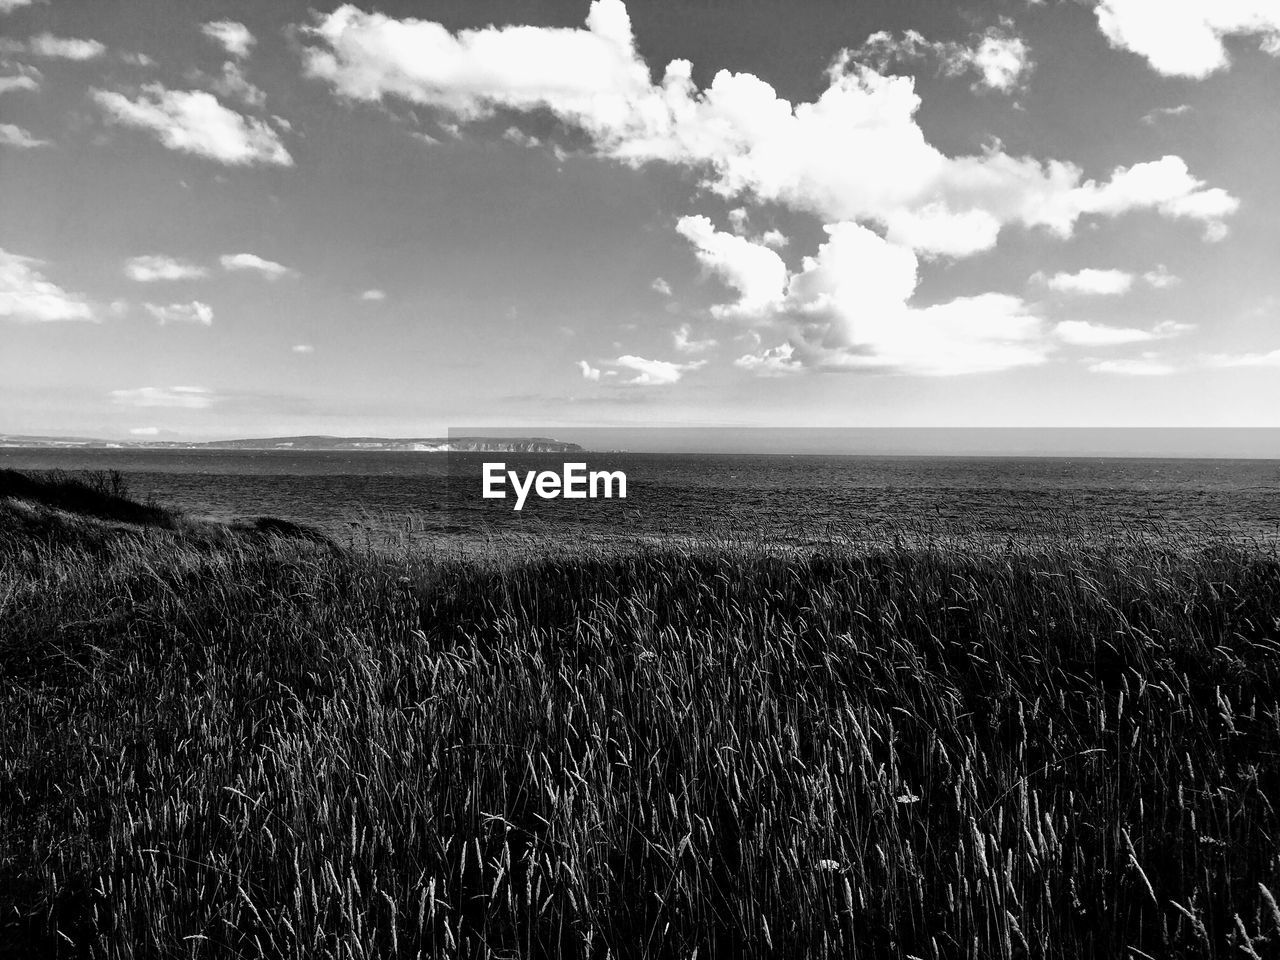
(234, 747)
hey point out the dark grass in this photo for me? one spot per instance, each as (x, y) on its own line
(246, 746)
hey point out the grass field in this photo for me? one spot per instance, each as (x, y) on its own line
(252, 743)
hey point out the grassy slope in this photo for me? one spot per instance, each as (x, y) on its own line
(224, 744)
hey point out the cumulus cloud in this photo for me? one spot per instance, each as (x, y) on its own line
(588, 371)
(685, 342)
(193, 312)
(373, 295)
(856, 153)
(249, 261)
(8, 6)
(195, 122)
(848, 307)
(190, 398)
(655, 373)
(152, 267)
(1183, 38)
(658, 285)
(234, 37)
(1145, 366)
(1092, 282)
(144, 431)
(1000, 59)
(1082, 333)
(28, 297)
(1161, 278)
(233, 83)
(303, 348)
(12, 135)
(756, 272)
(774, 362)
(1159, 113)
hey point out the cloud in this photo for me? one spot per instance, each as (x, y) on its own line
(1145, 366)
(756, 272)
(190, 398)
(848, 308)
(155, 266)
(234, 37)
(774, 362)
(195, 122)
(655, 373)
(28, 297)
(193, 312)
(248, 261)
(22, 81)
(685, 343)
(144, 431)
(62, 48)
(1091, 282)
(8, 6)
(855, 153)
(303, 348)
(658, 285)
(1183, 38)
(12, 135)
(1160, 112)
(1271, 359)
(1161, 278)
(233, 83)
(1001, 60)
(373, 295)
(1082, 333)
(588, 371)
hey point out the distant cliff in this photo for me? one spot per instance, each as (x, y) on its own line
(396, 444)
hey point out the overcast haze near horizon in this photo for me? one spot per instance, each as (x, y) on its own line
(237, 219)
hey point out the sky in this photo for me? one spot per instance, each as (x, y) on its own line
(233, 218)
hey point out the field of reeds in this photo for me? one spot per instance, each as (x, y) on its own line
(251, 742)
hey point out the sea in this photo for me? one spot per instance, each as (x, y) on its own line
(396, 500)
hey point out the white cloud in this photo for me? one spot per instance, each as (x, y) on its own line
(756, 272)
(588, 371)
(22, 81)
(233, 83)
(774, 362)
(856, 153)
(64, 48)
(1145, 366)
(193, 312)
(195, 122)
(11, 135)
(685, 343)
(1271, 359)
(1161, 112)
(1000, 59)
(27, 296)
(191, 398)
(303, 348)
(1102, 283)
(155, 266)
(373, 295)
(655, 373)
(234, 37)
(8, 6)
(1183, 38)
(848, 307)
(1082, 333)
(249, 261)
(1161, 278)
(144, 431)
(660, 286)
